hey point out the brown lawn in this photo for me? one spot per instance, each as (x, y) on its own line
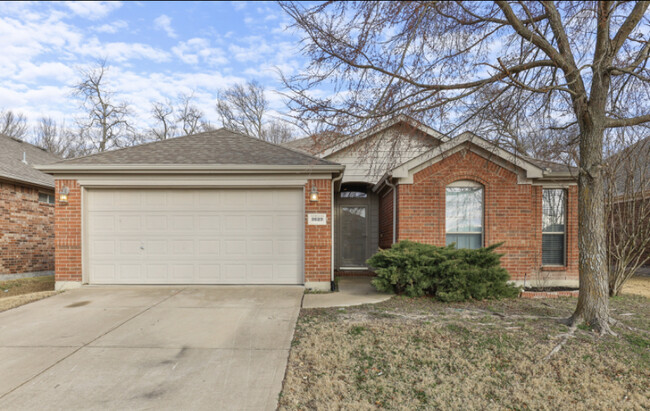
(639, 285)
(15, 293)
(419, 354)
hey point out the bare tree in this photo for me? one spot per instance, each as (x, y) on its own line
(189, 117)
(242, 108)
(58, 139)
(627, 188)
(182, 117)
(574, 66)
(277, 132)
(165, 126)
(13, 124)
(105, 123)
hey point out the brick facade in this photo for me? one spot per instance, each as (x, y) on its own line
(26, 230)
(67, 226)
(386, 219)
(512, 214)
(318, 238)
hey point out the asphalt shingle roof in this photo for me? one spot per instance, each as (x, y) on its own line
(219, 147)
(13, 168)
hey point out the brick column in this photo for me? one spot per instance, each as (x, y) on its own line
(318, 238)
(67, 236)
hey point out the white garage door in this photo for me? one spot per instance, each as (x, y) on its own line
(212, 236)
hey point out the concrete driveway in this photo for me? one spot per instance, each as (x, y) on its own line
(148, 348)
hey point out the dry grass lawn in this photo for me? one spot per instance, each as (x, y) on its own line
(639, 285)
(15, 293)
(418, 354)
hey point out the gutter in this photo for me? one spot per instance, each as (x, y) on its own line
(185, 168)
(22, 182)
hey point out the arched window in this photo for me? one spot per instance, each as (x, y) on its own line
(464, 214)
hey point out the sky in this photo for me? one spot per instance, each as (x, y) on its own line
(155, 50)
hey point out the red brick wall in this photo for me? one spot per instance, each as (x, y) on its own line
(67, 227)
(512, 213)
(26, 230)
(386, 219)
(318, 238)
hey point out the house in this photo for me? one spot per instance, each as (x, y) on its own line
(223, 208)
(26, 211)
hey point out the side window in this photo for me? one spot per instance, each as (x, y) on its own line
(46, 198)
(464, 214)
(553, 226)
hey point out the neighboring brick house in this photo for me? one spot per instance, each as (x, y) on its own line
(223, 208)
(26, 210)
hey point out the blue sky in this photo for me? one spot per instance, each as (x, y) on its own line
(156, 50)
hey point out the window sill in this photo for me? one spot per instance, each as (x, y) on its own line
(554, 268)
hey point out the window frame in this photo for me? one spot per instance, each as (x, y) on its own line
(565, 198)
(467, 184)
(48, 197)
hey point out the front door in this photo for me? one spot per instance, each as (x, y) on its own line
(354, 235)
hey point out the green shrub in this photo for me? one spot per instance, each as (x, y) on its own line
(446, 273)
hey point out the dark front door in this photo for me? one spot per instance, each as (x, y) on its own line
(354, 235)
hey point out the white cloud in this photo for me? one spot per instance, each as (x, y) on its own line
(239, 5)
(113, 27)
(198, 50)
(120, 52)
(164, 22)
(93, 10)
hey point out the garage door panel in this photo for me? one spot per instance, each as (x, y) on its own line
(157, 272)
(130, 272)
(209, 273)
(156, 222)
(217, 236)
(235, 272)
(210, 223)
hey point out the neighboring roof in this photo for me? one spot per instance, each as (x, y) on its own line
(221, 149)
(552, 166)
(632, 168)
(12, 167)
(314, 144)
(326, 144)
(533, 168)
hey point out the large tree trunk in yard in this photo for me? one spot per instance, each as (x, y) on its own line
(593, 301)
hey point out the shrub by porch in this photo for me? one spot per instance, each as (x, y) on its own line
(445, 273)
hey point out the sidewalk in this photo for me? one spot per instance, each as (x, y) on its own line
(352, 291)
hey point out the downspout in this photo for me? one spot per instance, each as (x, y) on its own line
(332, 283)
(391, 185)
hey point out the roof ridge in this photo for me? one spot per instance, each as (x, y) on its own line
(280, 146)
(143, 144)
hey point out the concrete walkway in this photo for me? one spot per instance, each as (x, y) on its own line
(148, 348)
(352, 291)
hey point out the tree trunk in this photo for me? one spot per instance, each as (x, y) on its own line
(593, 301)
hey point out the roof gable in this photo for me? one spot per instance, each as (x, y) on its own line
(327, 144)
(406, 170)
(408, 121)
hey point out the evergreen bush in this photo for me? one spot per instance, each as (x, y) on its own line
(445, 273)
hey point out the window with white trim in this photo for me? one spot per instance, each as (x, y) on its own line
(553, 226)
(464, 214)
